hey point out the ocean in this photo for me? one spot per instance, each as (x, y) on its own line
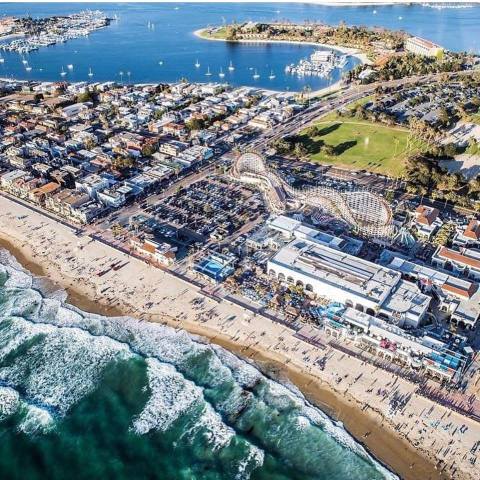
(169, 50)
(90, 397)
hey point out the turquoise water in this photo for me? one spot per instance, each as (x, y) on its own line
(89, 397)
(128, 45)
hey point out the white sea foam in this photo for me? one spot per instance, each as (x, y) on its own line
(36, 420)
(245, 375)
(63, 367)
(217, 434)
(18, 278)
(171, 396)
(253, 460)
(9, 402)
(68, 363)
(19, 332)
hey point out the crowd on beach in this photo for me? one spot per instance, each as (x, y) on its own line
(147, 293)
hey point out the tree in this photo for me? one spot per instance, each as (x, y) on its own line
(195, 124)
(148, 150)
(85, 97)
(300, 150)
(328, 150)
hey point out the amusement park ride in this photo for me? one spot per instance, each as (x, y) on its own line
(366, 212)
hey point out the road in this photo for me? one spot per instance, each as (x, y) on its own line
(342, 98)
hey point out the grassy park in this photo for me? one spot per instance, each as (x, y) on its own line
(358, 144)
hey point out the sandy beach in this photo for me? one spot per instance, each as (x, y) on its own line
(323, 91)
(348, 51)
(415, 437)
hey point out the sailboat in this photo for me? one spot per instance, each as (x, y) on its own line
(231, 67)
(2, 60)
(208, 72)
(221, 74)
(70, 66)
(160, 62)
(28, 68)
(256, 75)
(90, 73)
(24, 61)
(63, 72)
(197, 64)
(272, 75)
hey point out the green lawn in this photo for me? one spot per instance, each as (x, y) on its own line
(360, 145)
(215, 33)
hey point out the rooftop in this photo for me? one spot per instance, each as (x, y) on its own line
(344, 271)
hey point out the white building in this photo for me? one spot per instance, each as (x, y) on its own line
(457, 296)
(465, 262)
(420, 46)
(92, 184)
(350, 280)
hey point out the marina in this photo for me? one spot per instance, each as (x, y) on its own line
(321, 64)
(178, 49)
(40, 34)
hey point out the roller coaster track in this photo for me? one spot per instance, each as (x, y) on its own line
(366, 212)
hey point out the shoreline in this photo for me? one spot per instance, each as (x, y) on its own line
(354, 52)
(362, 57)
(319, 395)
(383, 443)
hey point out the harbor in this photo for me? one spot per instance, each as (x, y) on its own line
(36, 34)
(321, 64)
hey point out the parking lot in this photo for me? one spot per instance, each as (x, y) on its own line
(211, 209)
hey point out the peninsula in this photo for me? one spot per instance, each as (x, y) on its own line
(385, 54)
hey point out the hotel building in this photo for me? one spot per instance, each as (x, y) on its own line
(420, 46)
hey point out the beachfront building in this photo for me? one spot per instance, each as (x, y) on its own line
(158, 253)
(352, 281)
(74, 205)
(216, 267)
(421, 46)
(393, 344)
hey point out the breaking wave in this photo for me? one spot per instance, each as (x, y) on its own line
(53, 356)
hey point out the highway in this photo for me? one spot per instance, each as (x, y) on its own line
(336, 101)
